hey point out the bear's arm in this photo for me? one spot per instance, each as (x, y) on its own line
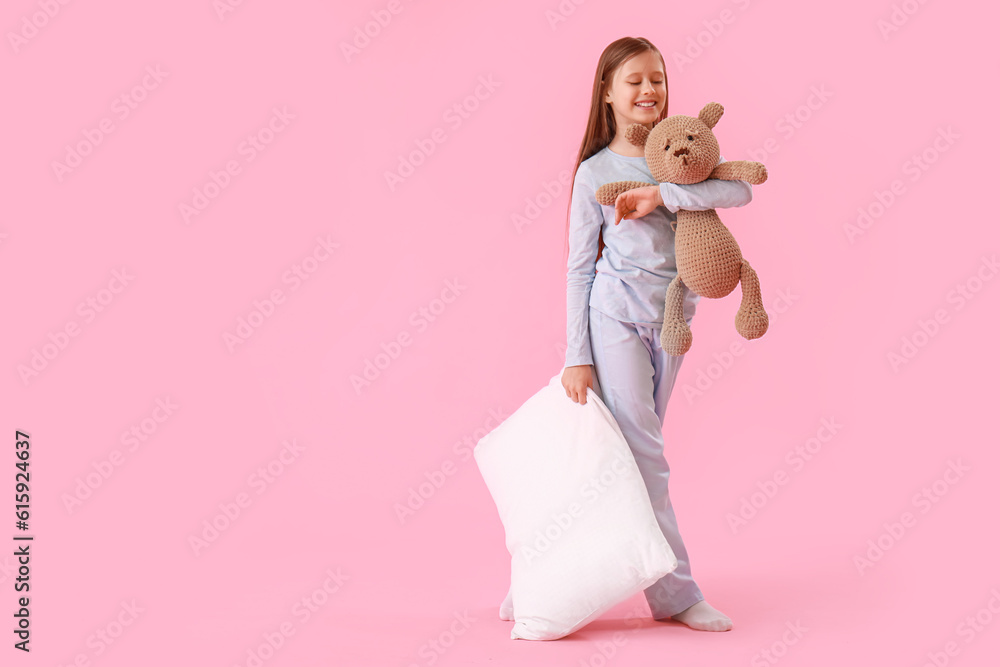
(608, 193)
(754, 173)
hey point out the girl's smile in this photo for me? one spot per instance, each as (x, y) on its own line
(637, 94)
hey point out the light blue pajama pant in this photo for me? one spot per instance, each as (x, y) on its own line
(636, 378)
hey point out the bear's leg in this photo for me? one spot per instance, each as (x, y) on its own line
(675, 335)
(751, 318)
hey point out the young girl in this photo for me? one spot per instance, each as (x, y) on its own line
(620, 261)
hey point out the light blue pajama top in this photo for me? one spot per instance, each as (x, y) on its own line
(638, 262)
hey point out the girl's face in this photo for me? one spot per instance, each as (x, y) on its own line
(638, 91)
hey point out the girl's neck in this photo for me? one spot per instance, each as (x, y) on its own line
(622, 146)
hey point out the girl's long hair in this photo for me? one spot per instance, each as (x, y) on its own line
(601, 122)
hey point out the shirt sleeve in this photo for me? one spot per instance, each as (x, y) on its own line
(711, 193)
(585, 221)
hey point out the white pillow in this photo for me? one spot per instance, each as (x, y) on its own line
(578, 522)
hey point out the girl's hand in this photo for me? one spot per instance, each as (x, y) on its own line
(637, 203)
(575, 380)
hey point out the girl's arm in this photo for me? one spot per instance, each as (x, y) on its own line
(712, 193)
(585, 221)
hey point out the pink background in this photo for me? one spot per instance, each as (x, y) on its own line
(467, 355)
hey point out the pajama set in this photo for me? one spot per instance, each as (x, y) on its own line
(614, 319)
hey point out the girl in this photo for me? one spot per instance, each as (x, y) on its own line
(620, 261)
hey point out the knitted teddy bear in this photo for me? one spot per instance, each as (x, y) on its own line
(682, 149)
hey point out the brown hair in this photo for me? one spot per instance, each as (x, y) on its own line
(601, 122)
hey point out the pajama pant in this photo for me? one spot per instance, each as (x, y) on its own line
(636, 378)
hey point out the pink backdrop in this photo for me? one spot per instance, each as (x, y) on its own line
(240, 347)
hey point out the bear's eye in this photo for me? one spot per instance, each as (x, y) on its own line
(690, 138)
(667, 147)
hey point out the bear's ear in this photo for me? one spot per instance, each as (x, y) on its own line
(636, 134)
(711, 113)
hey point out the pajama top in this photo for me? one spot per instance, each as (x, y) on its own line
(638, 262)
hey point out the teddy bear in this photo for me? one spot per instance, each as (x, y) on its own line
(681, 149)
